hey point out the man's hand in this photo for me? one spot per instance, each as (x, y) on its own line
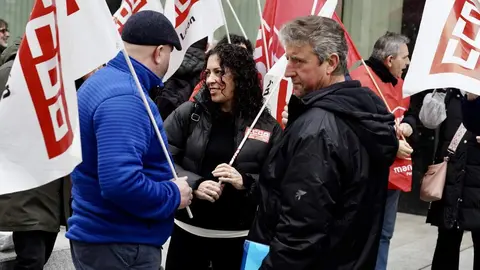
(478, 139)
(285, 115)
(209, 191)
(404, 149)
(229, 174)
(406, 130)
(471, 96)
(186, 195)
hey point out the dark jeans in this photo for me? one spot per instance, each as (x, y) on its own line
(33, 249)
(388, 227)
(447, 251)
(115, 256)
(188, 251)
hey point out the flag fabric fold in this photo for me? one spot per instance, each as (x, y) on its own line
(447, 50)
(39, 119)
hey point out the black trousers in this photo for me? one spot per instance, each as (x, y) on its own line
(447, 251)
(188, 251)
(33, 249)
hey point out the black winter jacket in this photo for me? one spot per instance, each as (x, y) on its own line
(188, 130)
(459, 205)
(324, 185)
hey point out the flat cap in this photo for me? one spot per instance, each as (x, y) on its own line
(150, 28)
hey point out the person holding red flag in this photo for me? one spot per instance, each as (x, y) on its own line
(389, 59)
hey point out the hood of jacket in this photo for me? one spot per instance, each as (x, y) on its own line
(193, 62)
(362, 110)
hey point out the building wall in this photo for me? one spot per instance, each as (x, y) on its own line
(16, 13)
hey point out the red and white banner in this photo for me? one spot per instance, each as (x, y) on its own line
(39, 129)
(193, 20)
(275, 14)
(447, 50)
(130, 7)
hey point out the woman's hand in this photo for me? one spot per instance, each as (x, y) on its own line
(228, 174)
(209, 191)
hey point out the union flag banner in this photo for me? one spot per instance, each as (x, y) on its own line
(130, 7)
(38, 112)
(193, 21)
(447, 50)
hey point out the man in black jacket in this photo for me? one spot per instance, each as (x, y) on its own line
(323, 188)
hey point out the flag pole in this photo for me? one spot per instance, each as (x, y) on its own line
(236, 19)
(264, 38)
(152, 119)
(249, 130)
(225, 22)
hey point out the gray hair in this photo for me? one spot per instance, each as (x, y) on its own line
(325, 36)
(388, 45)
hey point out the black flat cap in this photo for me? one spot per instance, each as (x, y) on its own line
(150, 28)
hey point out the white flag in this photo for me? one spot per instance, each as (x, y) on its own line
(130, 7)
(193, 20)
(447, 50)
(39, 119)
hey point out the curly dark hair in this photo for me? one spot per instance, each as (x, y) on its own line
(247, 96)
(237, 40)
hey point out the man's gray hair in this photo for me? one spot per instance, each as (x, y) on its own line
(325, 36)
(388, 45)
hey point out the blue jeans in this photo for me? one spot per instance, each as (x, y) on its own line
(387, 228)
(115, 256)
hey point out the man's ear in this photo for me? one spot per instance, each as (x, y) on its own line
(333, 63)
(157, 55)
(389, 60)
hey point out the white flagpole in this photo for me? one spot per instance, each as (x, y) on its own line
(236, 18)
(225, 22)
(152, 119)
(314, 7)
(264, 38)
(245, 138)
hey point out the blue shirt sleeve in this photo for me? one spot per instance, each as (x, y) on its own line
(123, 132)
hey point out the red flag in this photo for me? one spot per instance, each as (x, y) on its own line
(275, 14)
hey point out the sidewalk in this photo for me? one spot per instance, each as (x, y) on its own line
(412, 248)
(413, 245)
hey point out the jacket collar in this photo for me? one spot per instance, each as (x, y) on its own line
(297, 106)
(147, 78)
(382, 71)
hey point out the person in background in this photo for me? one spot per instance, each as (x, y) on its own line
(324, 185)
(123, 200)
(390, 57)
(203, 137)
(458, 210)
(4, 35)
(178, 88)
(471, 113)
(236, 40)
(34, 216)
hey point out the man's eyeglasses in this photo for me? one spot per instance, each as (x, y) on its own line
(3, 30)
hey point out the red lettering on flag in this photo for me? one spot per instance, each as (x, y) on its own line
(72, 7)
(128, 8)
(459, 47)
(182, 8)
(39, 56)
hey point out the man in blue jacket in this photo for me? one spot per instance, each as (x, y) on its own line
(471, 113)
(123, 199)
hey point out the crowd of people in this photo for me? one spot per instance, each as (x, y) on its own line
(319, 193)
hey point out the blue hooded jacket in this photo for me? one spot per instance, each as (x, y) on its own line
(121, 191)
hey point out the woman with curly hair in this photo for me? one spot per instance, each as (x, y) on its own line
(203, 135)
